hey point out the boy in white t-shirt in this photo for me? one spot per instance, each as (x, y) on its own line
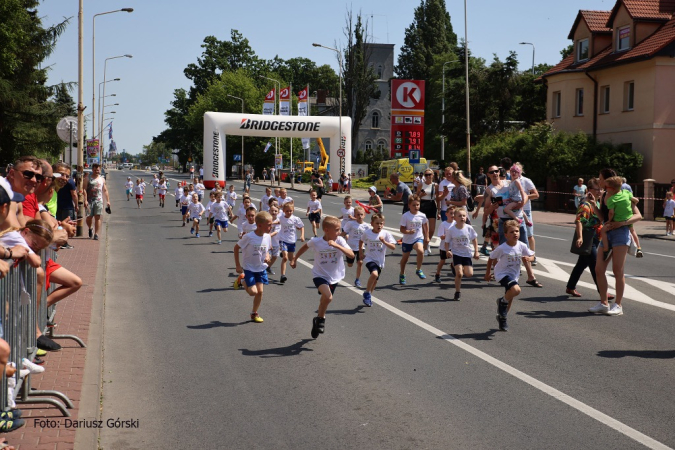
(442, 230)
(199, 190)
(249, 225)
(415, 230)
(138, 191)
(328, 268)
(458, 242)
(246, 203)
(352, 231)
(265, 200)
(209, 216)
(178, 193)
(314, 211)
(289, 224)
(347, 211)
(283, 197)
(161, 190)
(231, 197)
(195, 209)
(254, 248)
(372, 247)
(155, 183)
(507, 268)
(184, 203)
(219, 212)
(274, 234)
(129, 187)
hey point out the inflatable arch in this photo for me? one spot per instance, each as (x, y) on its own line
(219, 125)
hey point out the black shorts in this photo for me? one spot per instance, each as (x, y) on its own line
(212, 219)
(319, 281)
(508, 283)
(357, 257)
(444, 254)
(373, 267)
(315, 217)
(461, 261)
(429, 209)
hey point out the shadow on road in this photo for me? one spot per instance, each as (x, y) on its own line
(486, 336)
(216, 324)
(291, 350)
(651, 354)
(437, 299)
(555, 314)
(346, 312)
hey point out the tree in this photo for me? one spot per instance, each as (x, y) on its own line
(28, 117)
(359, 76)
(567, 51)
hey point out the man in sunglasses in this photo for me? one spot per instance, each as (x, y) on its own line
(96, 190)
(23, 177)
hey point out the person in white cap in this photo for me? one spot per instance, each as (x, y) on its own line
(375, 202)
(129, 186)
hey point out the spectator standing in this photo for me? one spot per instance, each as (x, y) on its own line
(272, 175)
(481, 182)
(444, 193)
(264, 174)
(201, 174)
(96, 191)
(402, 191)
(579, 192)
(532, 194)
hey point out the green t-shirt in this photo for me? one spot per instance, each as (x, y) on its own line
(621, 204)
(51, 205)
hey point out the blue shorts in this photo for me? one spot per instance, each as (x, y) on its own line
(530, 228)
(319, 281)
(619, 237)
(373, 267)
(221, 223)
(508, 283)
(287, 246)
(461, 261)
(183, 210)
(444, 215)
(407, 248)
(357, 257)
(252, 278)
(128, 191)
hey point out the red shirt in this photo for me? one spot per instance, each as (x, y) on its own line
(30, 206)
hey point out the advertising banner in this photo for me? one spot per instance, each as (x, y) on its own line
(278, 162)
(285, 101)
(407, 118)
(268, 105)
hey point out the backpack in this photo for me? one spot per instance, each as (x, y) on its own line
(470, 204)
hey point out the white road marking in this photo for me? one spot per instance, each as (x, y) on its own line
(539, 385)
(549, 237)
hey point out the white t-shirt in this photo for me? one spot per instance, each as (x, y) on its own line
(373, 248)
(669, 209)
(283, 201)
(275, 227)
(460, 240)
(314, 205)
(129, 184)
(503, 192)
(443, 229)
(178, 192)
(288, 227)
(162, 188)
(247, 227)
(346, 212)
(328, 261)
(219, 210)
(207, 208)
(138, 189)
(201, 171)
(199, 188)
(231, 198)
(413, 222)
(528, 185)
(444, 182)
(185, 200)
(265, 203)
(254, 250)
(12, 239)
(143, 185)
(354, 232)
(155, 182)
(508, 259)
(195, 209)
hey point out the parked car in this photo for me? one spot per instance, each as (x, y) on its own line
(154, 168)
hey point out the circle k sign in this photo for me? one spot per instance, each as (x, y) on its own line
(409, 95)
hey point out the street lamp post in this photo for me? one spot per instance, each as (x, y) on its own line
(242, 136)
(105, 67)
(443, 112)
(341, 71)
(530, 43)
(276, 139)
(466, 88)
(93, 59)
(98, 108)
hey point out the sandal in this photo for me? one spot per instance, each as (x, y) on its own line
(534, 283)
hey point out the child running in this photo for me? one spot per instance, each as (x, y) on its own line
(415, 230)
(161, 190)
(178, 193)
(287, 236)
(373, 247)
(138, 191)
(155, 183)
(507, 268)
(353, 231)
(209, 215)
(254, 247)
(248, 225)
(283, 197)
(129, 187)
(442, 232)
(184, 203)
(462, 242)
(328, 268)
(219, 212)
(231, 197)
(347, 211)
(246, 203)
(195, 209)
(274, 234)
(199, 189)
(264, 201)
(314, 211)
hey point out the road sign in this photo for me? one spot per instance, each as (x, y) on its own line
(236, 157)
(341, 152)
(414, 156)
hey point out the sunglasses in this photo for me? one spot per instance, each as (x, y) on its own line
(29, 175)
(492, 172)
(428, 174)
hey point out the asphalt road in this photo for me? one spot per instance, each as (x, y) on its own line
(415, 371)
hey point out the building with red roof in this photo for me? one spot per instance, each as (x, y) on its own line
(618, 83)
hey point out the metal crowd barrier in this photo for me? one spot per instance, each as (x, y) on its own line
(21, 315)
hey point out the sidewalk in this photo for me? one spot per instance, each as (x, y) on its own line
(64, 369)
(647, 229)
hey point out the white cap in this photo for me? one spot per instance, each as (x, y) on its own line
(373, 189)
(13, 196)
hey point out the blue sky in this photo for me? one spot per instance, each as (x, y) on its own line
(165, 36)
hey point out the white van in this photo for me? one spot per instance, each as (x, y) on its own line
(127, 165)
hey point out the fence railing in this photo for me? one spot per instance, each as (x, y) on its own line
(23, 303)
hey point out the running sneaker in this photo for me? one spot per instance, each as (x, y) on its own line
(44, 343)
(183, 223)
(270, 271)
(534, 263)
(437, 278)
(457, 295)
(367, 300)
(96, 237)
(321, 324)
(420, 274)
(427, 252)
(40, 352)
(484, 251)
(11, 415)
(31, 366)
(67, 246)
(210, 233)
(600, 308)
(255, 317)
(283, 279)
(615, 310)
(91, 233)
(357, 283)
(502, 307)
(219, 242)
(192, 231)
(401, 279)
(315, 328)
(7, 425)
(503, 325)
(197, 235)
(237, 282)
